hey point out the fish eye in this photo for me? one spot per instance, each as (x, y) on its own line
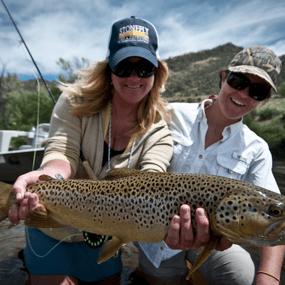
(274, 211)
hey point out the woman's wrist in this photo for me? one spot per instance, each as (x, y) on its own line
(273, 279)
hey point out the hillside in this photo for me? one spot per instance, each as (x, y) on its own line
(196, 74)
(32, 85)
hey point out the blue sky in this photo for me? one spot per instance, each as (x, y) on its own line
(68, 28)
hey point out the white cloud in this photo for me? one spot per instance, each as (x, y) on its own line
(68, 28)
(242, 25)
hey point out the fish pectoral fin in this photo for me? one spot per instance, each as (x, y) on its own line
(109, 249)
(42, 219)
(203, 255)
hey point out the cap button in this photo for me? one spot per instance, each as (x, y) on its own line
(132, 16)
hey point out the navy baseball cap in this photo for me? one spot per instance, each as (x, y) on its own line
(133, 37)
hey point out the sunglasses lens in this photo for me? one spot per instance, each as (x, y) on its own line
(123, 69)
(238, 82)
(143, 68)
(257, 91)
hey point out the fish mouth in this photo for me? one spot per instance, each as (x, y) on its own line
(278, 226)
(273, 235)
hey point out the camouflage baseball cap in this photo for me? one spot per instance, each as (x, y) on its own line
(257, 60)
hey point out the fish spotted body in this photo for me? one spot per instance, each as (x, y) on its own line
(131, 205)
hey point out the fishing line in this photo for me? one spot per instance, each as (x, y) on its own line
(28, 239)
(22, 40)
(38, 110)
(37, 129)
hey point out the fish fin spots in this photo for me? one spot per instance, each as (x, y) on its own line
(109, 249)
(122, 173)
(45, 178)
(203, 255)
(41, 218)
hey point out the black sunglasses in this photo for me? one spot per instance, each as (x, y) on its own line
(143, 68)
(257, 91)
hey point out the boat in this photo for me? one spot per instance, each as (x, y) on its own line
(14, 163)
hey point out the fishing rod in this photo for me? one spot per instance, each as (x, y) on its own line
(84, 161)
(29, 52)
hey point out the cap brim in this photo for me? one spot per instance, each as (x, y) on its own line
(254, 71)
(126, 52)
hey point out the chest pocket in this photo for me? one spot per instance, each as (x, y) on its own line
(232, 165)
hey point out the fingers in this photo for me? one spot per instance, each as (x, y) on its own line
(19, 187)
(203, 229)
(186, 232)
(28, 201)
(13, 214)
(32, 201)
(180, 234)
(173, 236)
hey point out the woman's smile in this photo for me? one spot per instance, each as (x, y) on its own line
(237, 102)
(133, 87)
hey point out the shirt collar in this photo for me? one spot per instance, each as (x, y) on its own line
(229, 130)
(202, 114)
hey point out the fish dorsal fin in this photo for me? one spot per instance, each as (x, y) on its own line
(109, 249)
(203, 255)
(41, 218)
(45, 178)
(121, 173)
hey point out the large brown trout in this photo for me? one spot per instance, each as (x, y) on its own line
(131, 205)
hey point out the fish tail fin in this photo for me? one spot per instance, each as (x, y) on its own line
(203, 255)
(7, 198)
(109, 249)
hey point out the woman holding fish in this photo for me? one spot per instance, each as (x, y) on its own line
(210, 138)
(113, 117)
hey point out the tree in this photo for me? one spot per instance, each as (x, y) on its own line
(8, 83)
(24, 110)
(71, 67)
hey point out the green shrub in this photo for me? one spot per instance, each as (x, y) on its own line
(268, 113)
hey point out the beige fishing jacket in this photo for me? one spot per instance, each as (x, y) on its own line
(69, 134)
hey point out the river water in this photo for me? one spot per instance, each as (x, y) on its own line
(12, 240)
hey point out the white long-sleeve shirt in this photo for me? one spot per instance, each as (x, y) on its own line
(241, 154)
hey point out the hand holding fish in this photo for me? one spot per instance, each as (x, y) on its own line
(180, 234)
(28, 201)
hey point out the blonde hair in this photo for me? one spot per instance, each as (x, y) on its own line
(93, 90)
